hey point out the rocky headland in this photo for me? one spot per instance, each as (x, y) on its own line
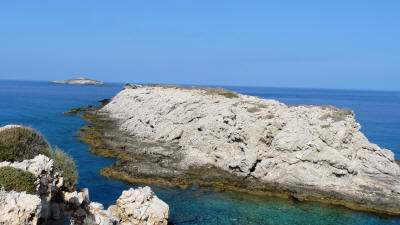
(81, 81)
(210, 136)
(35, 191)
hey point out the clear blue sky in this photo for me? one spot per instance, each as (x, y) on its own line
(322, 44)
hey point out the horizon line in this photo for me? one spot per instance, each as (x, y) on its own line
(222, 85)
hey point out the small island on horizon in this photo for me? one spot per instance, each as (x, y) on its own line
(79, 81)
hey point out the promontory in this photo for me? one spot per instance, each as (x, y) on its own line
(81, 81)
(215, 137)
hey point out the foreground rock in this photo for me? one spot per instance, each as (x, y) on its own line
(19, 208)
(81, 81)
(140, 206)
(52, 204)
(135, 207)
(182, 135)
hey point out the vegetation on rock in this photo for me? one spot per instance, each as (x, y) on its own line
(64, 164)
(336, 114)
(17, 180)
(21, 143)
(229, 94)
(253, 110)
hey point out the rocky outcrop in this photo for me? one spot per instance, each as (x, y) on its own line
(47, 183)
(19, 208)
(134, 207)
(216, 136)
(140, 206)
(53, 205)
(81, 81)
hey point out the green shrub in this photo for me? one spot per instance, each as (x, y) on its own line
(325, 126)
(17, 180)
(65, 165)
(229, 94)
(20, 143)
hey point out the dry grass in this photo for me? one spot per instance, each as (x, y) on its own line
(206, 90)
(337, 114)
(253, 109)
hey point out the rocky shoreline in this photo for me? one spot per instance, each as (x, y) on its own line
(213, 137)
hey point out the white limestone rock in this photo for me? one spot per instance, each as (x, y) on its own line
(98, 216)
(318, 148)
(140, 207)
(19, 208)
(76, 198)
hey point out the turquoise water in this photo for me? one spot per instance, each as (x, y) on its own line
(40, 105)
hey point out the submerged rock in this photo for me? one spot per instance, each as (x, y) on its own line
(81, 81)
(216, 136)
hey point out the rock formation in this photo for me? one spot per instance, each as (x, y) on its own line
(52, 205)
(140, 206)
(81, 81)
(19, 208)
(134, 207)
(213, 136)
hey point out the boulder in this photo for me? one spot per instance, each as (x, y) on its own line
(140, 207)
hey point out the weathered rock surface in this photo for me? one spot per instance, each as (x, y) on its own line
(308, 152)
(135, 206)
(140, 207)
(19, 208)
(81, 81)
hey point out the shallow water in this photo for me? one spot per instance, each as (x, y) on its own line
(40, 105)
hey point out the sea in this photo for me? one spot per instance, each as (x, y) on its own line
(40, 105)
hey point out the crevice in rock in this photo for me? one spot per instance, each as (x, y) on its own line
(253, 168)
(235, 168)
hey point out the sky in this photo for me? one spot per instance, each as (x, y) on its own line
(337, 44)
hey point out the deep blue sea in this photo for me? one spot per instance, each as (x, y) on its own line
(40, 105)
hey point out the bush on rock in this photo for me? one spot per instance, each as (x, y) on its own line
(65, 165)
(21, 143)
(17, 180)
